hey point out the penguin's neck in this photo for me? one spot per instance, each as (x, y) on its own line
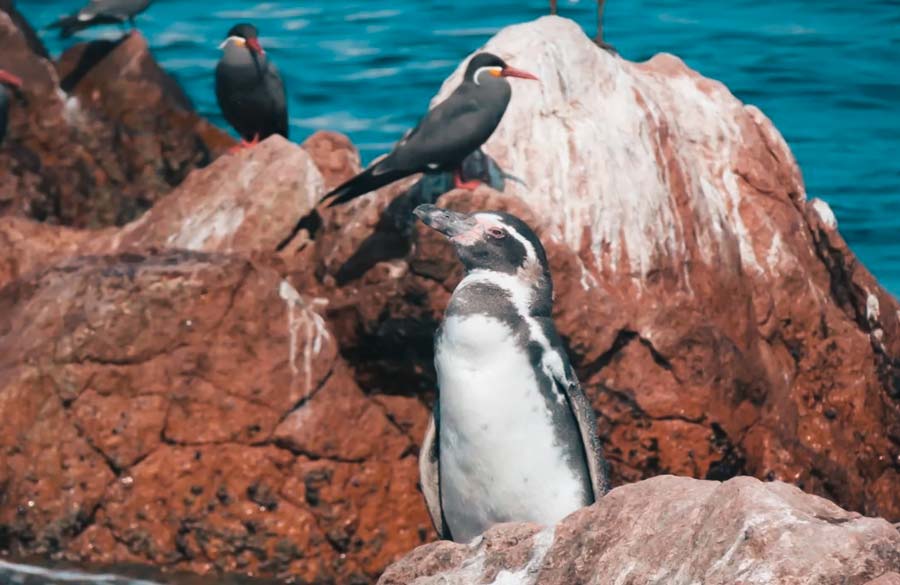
(533, 298)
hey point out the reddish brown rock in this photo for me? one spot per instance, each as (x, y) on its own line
(334, 155)
(246, 203)
(190, 410)
(673, 530)
(99, 142)
(717, 319)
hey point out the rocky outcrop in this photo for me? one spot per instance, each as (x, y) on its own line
(136, 430)
(718, 321)
(100, 139)
(237, 381)
(674, 531)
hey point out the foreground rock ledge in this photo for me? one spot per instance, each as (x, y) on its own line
(673, 530)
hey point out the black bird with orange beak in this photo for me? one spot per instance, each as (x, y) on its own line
(7, 81)
(450, 132)
(249, 88)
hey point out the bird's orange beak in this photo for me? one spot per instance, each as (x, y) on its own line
(10, 79)
(513, 72)
(255, 46)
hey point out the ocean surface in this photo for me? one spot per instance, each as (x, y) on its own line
(826, 71)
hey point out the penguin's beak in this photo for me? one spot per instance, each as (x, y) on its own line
(450, 223)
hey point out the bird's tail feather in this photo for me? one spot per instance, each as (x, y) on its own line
(67, 25)
(370, 179)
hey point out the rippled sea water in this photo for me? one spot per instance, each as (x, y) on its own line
(826, 71)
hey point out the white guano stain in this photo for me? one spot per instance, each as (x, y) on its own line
(207, 227)
(313, 328)
(825, 213)
(873, 308)
(527, 575)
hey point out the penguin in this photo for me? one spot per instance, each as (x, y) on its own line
(512, 437)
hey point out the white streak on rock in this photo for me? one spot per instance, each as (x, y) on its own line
(205, 224)
(527, 575)
(873, 308)
(314, 329)
(825, 213)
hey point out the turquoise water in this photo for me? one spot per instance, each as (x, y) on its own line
(827, 72)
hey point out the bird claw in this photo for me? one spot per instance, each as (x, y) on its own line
(244, 145)
(458, 182)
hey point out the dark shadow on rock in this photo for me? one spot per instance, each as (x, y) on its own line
(393, 233)
(86, 57)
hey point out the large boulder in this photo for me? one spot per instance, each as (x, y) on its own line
(717, 319)
(98, 141)
(190, 410)
(674, 531)
(245, 203)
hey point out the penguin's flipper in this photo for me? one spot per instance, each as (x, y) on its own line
(567, 382)
(430, 479)
(587, 427)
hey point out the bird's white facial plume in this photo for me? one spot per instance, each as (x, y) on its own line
(493, 71)
(238, 41)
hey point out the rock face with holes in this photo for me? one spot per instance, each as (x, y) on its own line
(716, 317)
(674, 531)
(99, 138)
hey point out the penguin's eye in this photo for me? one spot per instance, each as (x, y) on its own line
(496, 233)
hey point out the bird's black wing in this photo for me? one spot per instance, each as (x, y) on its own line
(275, 88)
(443, 137)
(446, 134)
(115, 8)
(567, 382)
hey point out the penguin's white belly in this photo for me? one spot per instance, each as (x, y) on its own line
(499, 457)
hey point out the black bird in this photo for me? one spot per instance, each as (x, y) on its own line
(599, 38)
(101, 12)
(447, 134)
(7, 81)
(249, 88)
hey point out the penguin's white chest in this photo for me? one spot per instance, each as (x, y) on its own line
(500, 460)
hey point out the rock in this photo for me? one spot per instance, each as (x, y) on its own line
(675, 531)
(243, 203)
(170, 409)
(31, 36)
(334, 155)
(97, 143)
(716, 318)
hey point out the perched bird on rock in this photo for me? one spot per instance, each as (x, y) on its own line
(8, 84)
(249, 88)
(598, 39)
(447, 134)
(512, 437)
(101, 12)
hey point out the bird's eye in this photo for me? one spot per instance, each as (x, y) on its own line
(496, 232)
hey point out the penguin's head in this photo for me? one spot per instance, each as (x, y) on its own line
(491, 240)
(244, 36)
(489, 68)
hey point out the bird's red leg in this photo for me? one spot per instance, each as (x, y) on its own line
(552, 6)
(459, 183)
(244, 145)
